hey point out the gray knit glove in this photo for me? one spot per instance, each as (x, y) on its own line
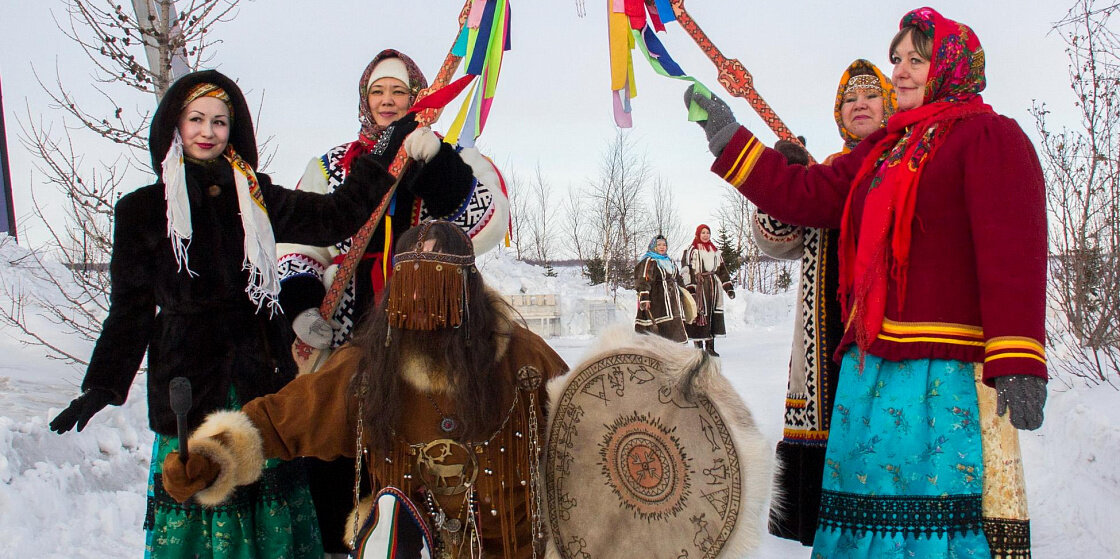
(1024, 395)
(720, 125)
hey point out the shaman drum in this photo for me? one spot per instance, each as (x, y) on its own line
(651, 453)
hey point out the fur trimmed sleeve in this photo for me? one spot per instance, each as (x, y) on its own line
(231, 441)
(642, 280)
(444, 183)
(314, 415)
(324, 219)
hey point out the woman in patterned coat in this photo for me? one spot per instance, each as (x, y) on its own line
(706, 278)
(658, 283)
(864, 102)
(442, 181)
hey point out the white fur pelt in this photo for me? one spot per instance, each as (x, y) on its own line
(678, 363)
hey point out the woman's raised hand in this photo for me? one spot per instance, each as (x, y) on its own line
(720, 125)
(422, 144)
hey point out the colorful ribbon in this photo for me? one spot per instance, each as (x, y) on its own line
(482, 43)
(627, 27)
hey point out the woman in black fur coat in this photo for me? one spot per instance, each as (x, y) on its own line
(195, 285)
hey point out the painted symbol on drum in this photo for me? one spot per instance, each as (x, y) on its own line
(646, 467)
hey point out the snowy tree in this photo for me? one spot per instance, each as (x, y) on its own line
(520, 214)
(732, 258)
(1082, 170)
(542, 220)
(619, 219)
(663, 212)
(132, 54)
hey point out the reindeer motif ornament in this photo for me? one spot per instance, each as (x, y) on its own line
(441, 477)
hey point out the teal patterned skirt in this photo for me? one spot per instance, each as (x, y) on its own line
(903, 470)
(269, 519)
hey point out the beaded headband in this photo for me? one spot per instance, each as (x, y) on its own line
(428, 290)
(863, 81)
(418, 254)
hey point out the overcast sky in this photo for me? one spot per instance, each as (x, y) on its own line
(553, 106)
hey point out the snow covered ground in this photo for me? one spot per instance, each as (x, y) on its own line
(82, 494)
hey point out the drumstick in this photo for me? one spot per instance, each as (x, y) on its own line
(181, 404)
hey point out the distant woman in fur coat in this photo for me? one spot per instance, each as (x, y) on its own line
(706, 278)
(195, 285)
(658, 283)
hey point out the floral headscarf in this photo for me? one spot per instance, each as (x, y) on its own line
(370, 131)
(862, 71)
(895, 166)
(956, 71)
(416, 82)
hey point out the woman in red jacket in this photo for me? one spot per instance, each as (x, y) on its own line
(942, 278)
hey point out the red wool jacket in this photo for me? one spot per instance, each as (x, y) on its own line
(976, 288)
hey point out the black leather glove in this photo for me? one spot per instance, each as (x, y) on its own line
(392, 138)
(720, 125)
(81, 409)
(444, 182)
(1024, 396)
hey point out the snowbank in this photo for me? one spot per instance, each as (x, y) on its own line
(82, 494)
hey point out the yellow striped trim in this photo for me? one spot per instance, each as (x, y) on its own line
(731, 170)
(796, 403)
(748, 165)
(949, 328)
(931, 339)
(1010, 342)
(1006, 355)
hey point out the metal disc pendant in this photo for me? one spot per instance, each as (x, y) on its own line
(453, 525)
(448, 424)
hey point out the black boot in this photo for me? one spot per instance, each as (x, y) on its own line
(710, 345)
(699, 344)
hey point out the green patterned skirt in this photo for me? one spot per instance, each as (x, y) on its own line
(269, 519)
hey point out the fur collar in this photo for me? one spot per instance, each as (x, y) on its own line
(421, 370)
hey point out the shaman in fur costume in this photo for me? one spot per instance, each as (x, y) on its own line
(444, 391)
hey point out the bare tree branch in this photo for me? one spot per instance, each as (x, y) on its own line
(1082, 170)
(119, 48)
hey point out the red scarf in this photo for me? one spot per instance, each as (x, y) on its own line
(895, 167)
(697, 243)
